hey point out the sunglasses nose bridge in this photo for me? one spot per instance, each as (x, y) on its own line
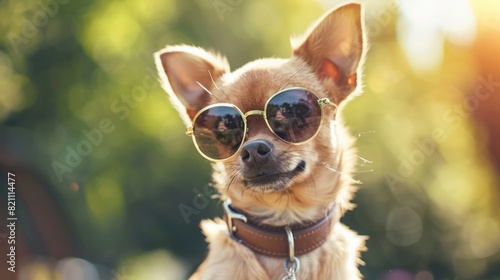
(255, 112)
(255, 125)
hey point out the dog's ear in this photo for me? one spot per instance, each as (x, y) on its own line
(333, 47)
(186, 73)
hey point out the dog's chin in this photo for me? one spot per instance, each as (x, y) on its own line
(273, 181)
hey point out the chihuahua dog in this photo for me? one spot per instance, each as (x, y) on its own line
(281, 154)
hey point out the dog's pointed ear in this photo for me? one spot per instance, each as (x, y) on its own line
(186, 73)
(333, 47)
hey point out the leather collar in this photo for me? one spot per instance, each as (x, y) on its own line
(273, 241)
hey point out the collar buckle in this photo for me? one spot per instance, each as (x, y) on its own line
(231, 214)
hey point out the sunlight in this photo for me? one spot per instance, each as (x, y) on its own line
(425, 25)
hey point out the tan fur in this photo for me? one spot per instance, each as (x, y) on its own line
(326, 181)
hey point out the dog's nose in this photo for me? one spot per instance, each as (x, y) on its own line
(257, 151)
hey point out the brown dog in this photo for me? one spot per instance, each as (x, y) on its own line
(282, 157)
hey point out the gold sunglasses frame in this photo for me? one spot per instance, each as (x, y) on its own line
(321, 101)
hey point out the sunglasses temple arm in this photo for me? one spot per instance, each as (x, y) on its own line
(189, 131)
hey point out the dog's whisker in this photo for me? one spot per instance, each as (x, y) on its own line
(217, 87)
(212, 78)
(364, 159)
(364, 171)
(349, 178)
(211, 94)
(232, 177)
(282, 86)
(360, 134)
(215, 196)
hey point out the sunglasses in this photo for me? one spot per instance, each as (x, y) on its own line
(294, 115)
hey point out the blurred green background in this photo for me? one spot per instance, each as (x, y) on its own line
(109, 186)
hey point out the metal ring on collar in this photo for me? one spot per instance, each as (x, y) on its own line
(291, 244)
(295, 264)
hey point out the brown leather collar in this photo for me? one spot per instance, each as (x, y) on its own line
(273, 241)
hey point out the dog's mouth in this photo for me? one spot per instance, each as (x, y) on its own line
(273, 181)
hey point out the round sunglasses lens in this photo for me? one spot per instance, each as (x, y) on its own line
(218, 132)
(294, 115)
